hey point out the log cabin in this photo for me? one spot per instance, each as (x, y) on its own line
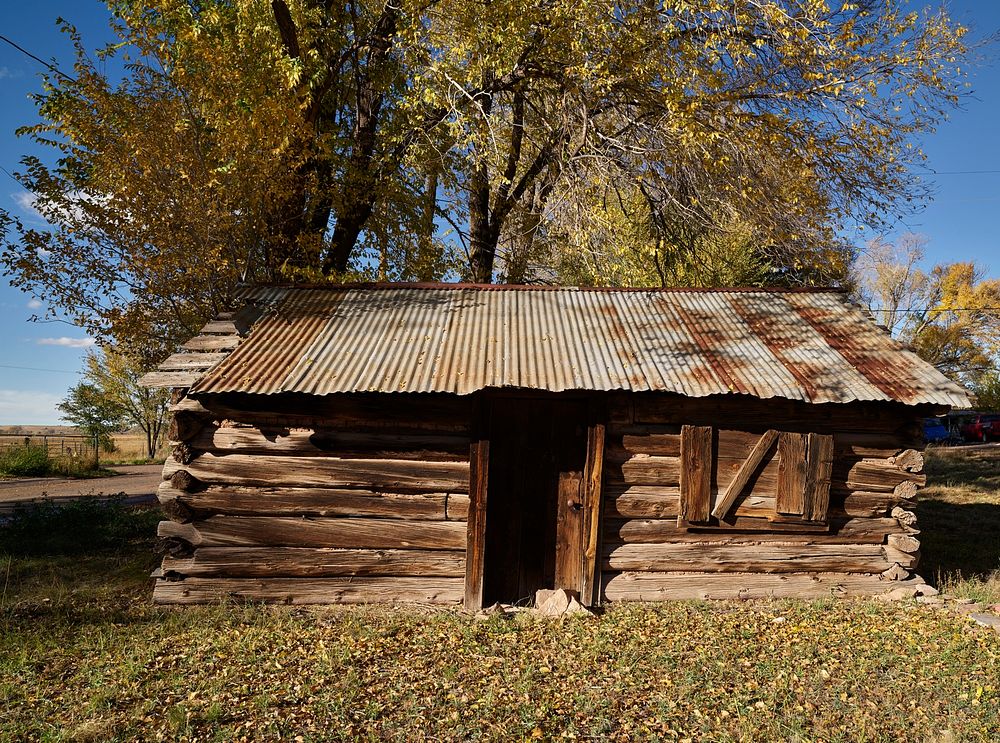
(451, 443)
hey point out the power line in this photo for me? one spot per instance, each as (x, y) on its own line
(961, 172)
(38, 59)
(35, 368)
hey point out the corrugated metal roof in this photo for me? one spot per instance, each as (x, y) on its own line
(801, 345)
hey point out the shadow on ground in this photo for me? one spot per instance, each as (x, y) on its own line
(959, 514)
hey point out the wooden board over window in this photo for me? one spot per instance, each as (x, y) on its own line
(771, 481)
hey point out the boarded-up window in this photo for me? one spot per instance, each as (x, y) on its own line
(770, 481)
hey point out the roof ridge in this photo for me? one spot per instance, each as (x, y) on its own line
(388, 285)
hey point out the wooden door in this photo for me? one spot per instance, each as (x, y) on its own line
(542, 509)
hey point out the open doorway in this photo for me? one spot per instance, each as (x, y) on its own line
(534, 517)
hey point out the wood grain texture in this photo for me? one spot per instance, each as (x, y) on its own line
(320, 442)
(819, 464)
(695, 477)
(671, 586)
(264, 562)
(790, 492)
(849, 531)
(476, 525)
(746, 471)
(269, 470)
(593, 503)
(426, 590)
(212, 343)
(279, 531)
(570, 532)
(256, 501)
(748, 558)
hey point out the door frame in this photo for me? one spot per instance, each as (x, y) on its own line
(591, 489)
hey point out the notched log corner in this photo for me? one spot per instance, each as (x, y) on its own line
(183, 453)
(184, 480)
(174, 547)
(175, 510)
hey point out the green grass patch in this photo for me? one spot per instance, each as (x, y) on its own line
(30, 460)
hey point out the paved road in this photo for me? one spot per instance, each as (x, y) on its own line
(137, 482)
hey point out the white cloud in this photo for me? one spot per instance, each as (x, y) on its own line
(27, 407)
(26, 201)
(34, 304)
(6, 72)
(67, 342)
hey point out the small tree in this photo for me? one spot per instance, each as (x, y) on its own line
(94, 413)
(110, 396)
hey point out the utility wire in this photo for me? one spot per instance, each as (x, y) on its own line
(51, 67)
(35, 368)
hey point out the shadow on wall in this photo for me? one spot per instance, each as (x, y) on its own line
(959, 514)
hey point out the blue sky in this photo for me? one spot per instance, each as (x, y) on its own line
(39, 361)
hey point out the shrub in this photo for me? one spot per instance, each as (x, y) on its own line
(85, 525)
(25, 460)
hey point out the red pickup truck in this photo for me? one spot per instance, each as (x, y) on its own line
(982, 428)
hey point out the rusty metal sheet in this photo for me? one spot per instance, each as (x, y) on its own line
(801, 345)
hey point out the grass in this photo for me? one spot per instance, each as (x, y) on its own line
(29, 460)
(85, 656)
(959, 516)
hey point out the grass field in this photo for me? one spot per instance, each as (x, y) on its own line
(84, 656)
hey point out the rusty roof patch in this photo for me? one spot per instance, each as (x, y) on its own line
(802, 345)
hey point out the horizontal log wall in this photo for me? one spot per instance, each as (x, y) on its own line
(330, 500)
(870, 538)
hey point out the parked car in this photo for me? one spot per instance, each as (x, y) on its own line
(935, 431)
(982, 428)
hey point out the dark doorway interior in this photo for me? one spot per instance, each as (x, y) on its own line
(534, 443)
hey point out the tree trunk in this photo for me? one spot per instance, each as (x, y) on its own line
(482, 237)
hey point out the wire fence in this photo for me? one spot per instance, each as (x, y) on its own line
(76, 447)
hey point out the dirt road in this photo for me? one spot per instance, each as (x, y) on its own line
(137, 482)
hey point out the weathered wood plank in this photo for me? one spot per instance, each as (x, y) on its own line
(219, 327)
(307, 562)
(790, 497)
(672, 586)
(170, 379)
(872, 474)
(746, 470)
(272, 470)
(643, 469)
(191, 361)
(695, 476)
(819, 465)
(909, 460)
(280, 531)
(398, 413)
(593, 502)
(908, 560)
(655, 444)
(783, 415)
(424, 590)
(212, 343)
(475, 563)
(849, 531)
(251, 501)
(642, 501)
(569, 532)
(320, 442)
(749, 558)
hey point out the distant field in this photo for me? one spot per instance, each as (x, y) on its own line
(129, 447)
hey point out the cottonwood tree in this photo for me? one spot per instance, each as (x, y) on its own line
(265, 140)
(950, 315)
(93, 412)
(109, 397)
